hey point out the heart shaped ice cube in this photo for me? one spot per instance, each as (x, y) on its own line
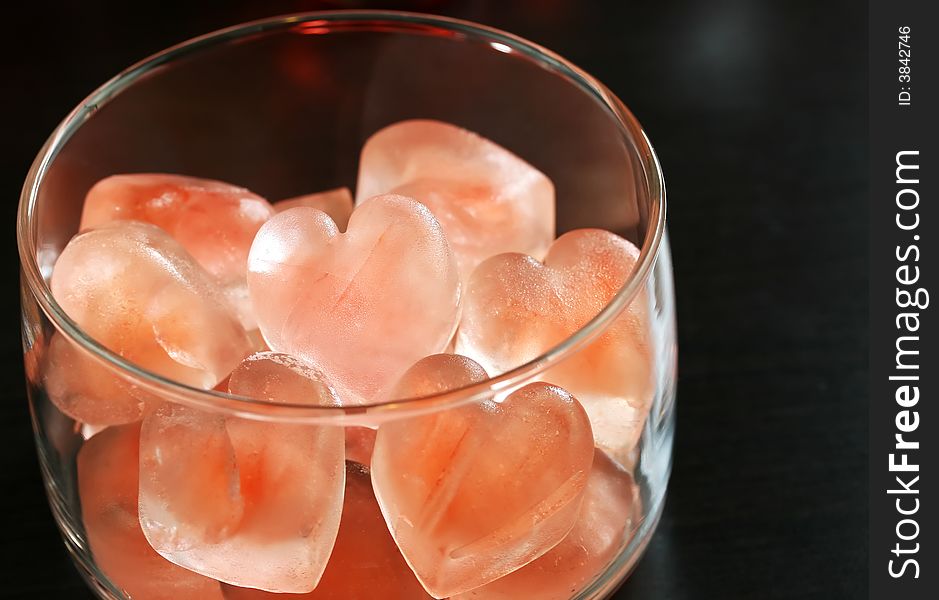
(360, 306)
(476, 491)
(516, 308)
(250, 503)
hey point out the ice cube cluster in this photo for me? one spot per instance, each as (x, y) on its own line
(443, 271)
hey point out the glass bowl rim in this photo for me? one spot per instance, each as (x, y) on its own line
(399, 22)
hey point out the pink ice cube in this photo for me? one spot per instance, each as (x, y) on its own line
(134, 289)
(365, 563)
(476, 491)
(609, 512)
(487, 199)
(107, 485)
(254, 504)
(360, 306)
(517, 308)
(86, 390)
(190, 491)
(214, 221)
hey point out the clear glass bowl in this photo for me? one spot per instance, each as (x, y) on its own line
(282, 107)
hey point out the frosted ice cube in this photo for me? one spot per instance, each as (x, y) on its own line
(487, 199)
(361, 306)
(608, 514)
(476, 491)
(365, 562)
(517, 308)
(134, 289)
(213, 220)
(86, 390)
(287, 480)
(107, 485)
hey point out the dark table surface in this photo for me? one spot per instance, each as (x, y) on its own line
(758, 112)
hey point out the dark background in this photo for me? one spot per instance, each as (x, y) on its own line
(758, 112)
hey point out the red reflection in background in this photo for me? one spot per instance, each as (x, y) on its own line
(312, 28)
(301, 67)
(407, 5)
